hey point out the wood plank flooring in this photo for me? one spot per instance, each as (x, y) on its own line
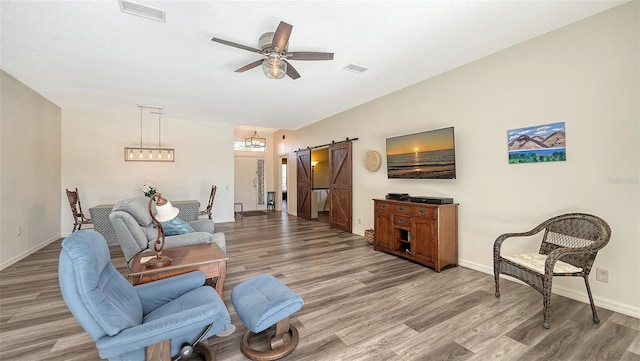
(359, 305)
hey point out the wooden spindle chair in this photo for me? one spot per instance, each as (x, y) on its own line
(79, 218)
(207, 211)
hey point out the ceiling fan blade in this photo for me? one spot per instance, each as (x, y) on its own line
(249, 66)
(291, 71)
(236, 45)
(281, 36)
(309, 55)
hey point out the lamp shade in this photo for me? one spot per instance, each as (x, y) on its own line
(274, 67)
(166, 212)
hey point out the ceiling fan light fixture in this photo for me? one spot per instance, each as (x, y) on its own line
(274, 67)
(274, 47)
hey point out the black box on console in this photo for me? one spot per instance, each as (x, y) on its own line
(431, 200)
(398, 196)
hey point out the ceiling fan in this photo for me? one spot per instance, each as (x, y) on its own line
(273, 48)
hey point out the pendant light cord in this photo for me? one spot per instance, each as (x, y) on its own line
(140, 127)
(159, 112)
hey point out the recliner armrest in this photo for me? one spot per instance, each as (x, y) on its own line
(203, 225)
(187, 239)
(156, 331)
(155, 294)
(130, 236)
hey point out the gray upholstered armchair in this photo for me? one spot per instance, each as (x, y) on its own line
(134, 228)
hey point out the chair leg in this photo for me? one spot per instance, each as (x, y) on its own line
(546, 302)
(159, 351)
(496, 276)
(593, 306)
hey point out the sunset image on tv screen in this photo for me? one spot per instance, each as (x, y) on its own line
(429, 154)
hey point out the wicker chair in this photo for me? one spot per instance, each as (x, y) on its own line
(76, 210)
(569, 246)
(207, 211)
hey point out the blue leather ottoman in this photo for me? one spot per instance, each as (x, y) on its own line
(261, 303)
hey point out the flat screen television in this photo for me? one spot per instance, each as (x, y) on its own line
(425, 155)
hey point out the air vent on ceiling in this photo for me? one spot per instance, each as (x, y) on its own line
(144, 11)
(355, 69)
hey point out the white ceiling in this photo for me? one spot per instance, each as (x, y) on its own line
(89, 55)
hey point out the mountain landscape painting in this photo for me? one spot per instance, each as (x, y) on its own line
(541, 143)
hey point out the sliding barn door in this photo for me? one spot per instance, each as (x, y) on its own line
(340, 184)
(303, 166)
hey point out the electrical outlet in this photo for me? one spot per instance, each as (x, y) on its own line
(602, 275)
(19, 231)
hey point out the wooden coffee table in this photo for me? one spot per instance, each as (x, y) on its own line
(207, 258)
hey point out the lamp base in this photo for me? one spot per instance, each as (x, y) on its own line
(159, 261)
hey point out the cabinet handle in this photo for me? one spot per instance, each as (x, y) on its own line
(422, 212)
(384, 207)
(401, 209)
(401, 221)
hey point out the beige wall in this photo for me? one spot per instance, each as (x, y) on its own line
(30, 200)
(587, 75)
(93, 160)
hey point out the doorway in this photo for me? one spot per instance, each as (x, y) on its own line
(320, 206)
(339, 185)
(246, 182)
(283, 184)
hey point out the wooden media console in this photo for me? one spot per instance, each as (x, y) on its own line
(424, 233)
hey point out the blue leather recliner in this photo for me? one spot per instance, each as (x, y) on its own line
(123, 319)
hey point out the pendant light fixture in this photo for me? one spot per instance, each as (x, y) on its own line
(142, 154)
(255, 141)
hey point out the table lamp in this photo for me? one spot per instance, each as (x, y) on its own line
(164, 212)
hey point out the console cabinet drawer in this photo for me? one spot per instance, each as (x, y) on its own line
(383, 207)
(401, 221)
(401, 210)
(424, 212)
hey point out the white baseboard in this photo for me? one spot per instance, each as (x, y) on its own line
(476, 266)
(567, 292)
(28, 252)
(599, 301)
